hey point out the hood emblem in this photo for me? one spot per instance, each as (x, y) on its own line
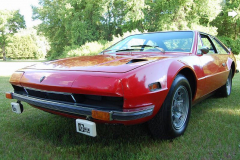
(42, 78)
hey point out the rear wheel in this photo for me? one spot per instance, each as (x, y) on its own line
(226, 89)
(172, 119)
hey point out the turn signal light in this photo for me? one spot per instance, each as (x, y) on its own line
(101, 115)
(9, 95)
(154, 86)
(15, 78)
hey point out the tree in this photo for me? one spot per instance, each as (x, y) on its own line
(27, 44)
(69, 22)
(72, 22)
(10, 23)
(229, 26)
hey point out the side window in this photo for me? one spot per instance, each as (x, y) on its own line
(207, 42)
(219, 47)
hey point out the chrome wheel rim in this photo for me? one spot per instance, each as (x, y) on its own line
(228, 85)
(180, 107)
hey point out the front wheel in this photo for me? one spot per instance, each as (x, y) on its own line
(172, 119)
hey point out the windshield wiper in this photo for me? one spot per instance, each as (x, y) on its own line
(145, 45)
(141, 49)
(127, 49)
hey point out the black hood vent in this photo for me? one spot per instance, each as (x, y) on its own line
(136, 60)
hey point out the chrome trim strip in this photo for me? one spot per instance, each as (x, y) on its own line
(133, 115)
(151, 107)
(213, 75)
(73, 99)
(25, 90)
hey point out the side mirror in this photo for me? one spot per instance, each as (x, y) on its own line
(204, 50)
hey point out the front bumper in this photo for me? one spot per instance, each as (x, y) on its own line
(86, 110)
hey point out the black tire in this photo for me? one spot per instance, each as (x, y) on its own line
(163, 124)
(226, 89)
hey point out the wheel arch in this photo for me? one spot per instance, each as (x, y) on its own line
(233, 67)
(178, 67)
(190, 76)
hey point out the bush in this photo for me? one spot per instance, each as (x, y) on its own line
(89, 48)
(230, 43)
(207, 29)
(26, 44)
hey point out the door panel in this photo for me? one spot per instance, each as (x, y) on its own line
(223, 55)
(211, 65)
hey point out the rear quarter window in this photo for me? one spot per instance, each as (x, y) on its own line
(219, 47)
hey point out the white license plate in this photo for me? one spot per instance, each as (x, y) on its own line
(86, 127)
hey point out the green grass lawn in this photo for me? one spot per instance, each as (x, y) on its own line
(213, 133)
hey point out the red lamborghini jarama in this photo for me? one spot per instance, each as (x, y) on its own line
(151, 77)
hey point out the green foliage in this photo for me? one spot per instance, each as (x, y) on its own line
(89, 48)
(228, 26)
(69, 22)
(27, 44)
(21, 47)
(72, 23)
(10, 23)
(230, 43)
(179, 15)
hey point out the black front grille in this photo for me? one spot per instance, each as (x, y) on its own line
(78, 99)
(101, 101)
(19, 90)
(50, 95)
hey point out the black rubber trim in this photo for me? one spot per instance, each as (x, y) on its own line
(83, 110)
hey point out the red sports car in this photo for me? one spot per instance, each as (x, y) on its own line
(151, 77)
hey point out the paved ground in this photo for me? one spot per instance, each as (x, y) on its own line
(7, 68)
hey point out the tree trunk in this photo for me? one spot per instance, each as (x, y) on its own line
(3, 45)
(236, 31)
(4, 53)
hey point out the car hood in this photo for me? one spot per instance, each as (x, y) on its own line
(116, 63)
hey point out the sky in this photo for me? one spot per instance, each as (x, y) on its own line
(25, 9)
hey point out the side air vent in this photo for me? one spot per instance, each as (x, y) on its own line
(136, 60)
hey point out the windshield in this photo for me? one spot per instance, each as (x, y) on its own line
(161, 41)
